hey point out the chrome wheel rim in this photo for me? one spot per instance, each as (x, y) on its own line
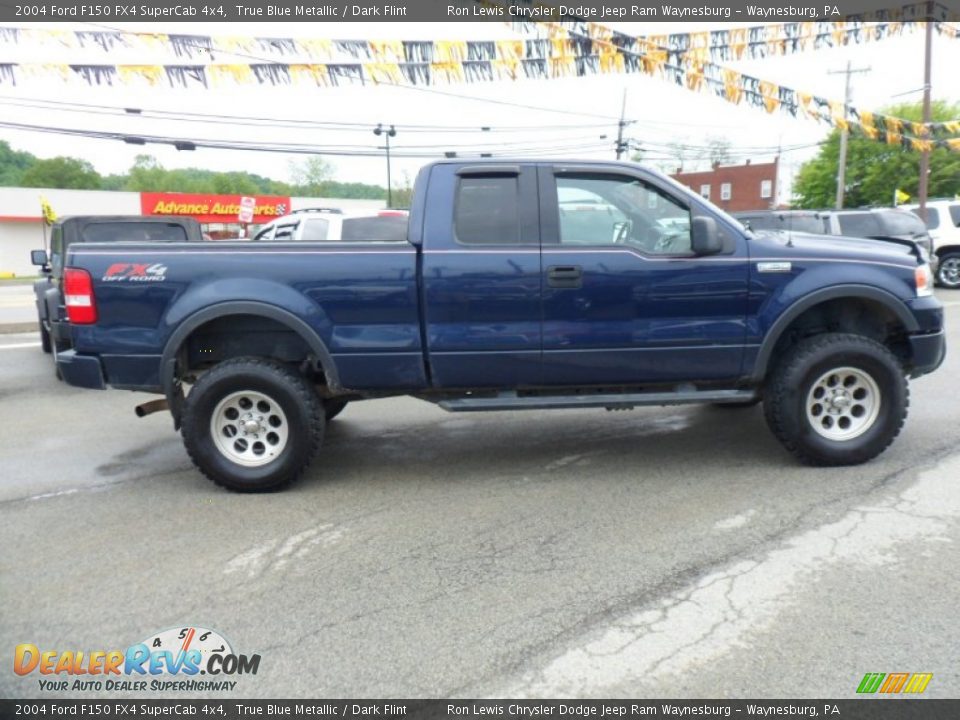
(950, 271)
(249, 428)
(843, 404)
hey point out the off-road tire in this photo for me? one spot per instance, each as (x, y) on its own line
(332, 408)
(298, 401)
(794, 377)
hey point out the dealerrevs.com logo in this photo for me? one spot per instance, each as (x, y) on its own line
(172, 660)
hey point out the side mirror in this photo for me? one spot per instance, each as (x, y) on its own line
(38, 257)
(704, 236)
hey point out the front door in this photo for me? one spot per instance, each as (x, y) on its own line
(625, 301)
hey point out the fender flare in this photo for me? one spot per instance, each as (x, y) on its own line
(172, 389)
(834, 292)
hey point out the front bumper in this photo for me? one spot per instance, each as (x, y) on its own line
(81, 370)
(927, 352)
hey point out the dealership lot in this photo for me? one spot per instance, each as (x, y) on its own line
(658, 552)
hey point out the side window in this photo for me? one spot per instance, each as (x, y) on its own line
(487, 210)
(285, 233)
(726, 191)
(955, 214)
(766, 188)
(613, 209)
(705, 191)
(315, 229)
(933, 217)
(266, 233)
(859, 225)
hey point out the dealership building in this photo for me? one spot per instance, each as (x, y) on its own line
(22, 228)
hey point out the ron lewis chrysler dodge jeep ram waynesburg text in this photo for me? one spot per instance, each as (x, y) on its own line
(519, 285)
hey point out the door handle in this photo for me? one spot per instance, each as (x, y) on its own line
(565, 276)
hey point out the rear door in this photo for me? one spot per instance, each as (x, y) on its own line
(481, 276)
(624, 299)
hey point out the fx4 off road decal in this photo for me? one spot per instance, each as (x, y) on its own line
(135, 272)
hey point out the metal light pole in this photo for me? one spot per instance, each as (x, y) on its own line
(392, 132)
(924, 184)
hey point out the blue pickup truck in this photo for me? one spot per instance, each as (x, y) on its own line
(520, 285)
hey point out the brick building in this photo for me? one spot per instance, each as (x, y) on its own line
(735, 187)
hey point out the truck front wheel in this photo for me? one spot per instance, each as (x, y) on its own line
(836, 399)
(251, 424)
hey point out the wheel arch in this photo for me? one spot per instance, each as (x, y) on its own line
(838, 293)
(178, 338)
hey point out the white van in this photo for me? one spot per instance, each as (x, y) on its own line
(943, 223)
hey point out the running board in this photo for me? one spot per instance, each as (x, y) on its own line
(510, 401)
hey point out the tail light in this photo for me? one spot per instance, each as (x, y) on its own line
(923, 279)
(78, 297)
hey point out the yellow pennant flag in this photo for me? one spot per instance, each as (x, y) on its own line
(49, 216)
(901, 196)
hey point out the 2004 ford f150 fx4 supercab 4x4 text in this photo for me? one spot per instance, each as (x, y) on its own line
(522, 284)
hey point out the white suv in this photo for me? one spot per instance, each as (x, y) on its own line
(328, 224)
(943, 223)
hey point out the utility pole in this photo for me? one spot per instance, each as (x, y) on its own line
(923, 185)
(842, 162)
(621, 145)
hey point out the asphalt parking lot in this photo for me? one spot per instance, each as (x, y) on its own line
(673, 552)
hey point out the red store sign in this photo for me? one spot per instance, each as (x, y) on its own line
(212, 208)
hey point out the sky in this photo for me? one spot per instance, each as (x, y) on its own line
(563, 118)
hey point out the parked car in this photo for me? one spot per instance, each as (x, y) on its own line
(488, 305)
(324, 224)
(808, 221)
(879, 224)
(943, 223)
(49, 291)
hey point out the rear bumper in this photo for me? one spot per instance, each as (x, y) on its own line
(927, 352)
(81, 370)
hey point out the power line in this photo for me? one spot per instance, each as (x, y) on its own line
(259, 121)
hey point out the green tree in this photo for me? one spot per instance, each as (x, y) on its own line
(875, 169)
(403, 194)
(310, 174)
(61, 172)
(13, 163)
(147, 174)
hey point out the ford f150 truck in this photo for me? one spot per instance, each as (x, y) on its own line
(522, 284)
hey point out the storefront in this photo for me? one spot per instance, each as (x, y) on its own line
(22, 228)
(219, 214)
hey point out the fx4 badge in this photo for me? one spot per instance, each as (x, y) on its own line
(135, 272)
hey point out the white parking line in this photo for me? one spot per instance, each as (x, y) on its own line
(16, 346)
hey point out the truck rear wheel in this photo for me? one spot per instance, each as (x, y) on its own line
(837, 399)
(251, 424)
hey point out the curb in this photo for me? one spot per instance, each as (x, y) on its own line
(11, 328)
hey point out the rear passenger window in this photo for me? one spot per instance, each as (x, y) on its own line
(487, 211)
(955, 214)
(315, 229)
(933, 217)
(859, 225)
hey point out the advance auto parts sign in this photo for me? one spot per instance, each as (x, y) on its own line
(212, 208)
